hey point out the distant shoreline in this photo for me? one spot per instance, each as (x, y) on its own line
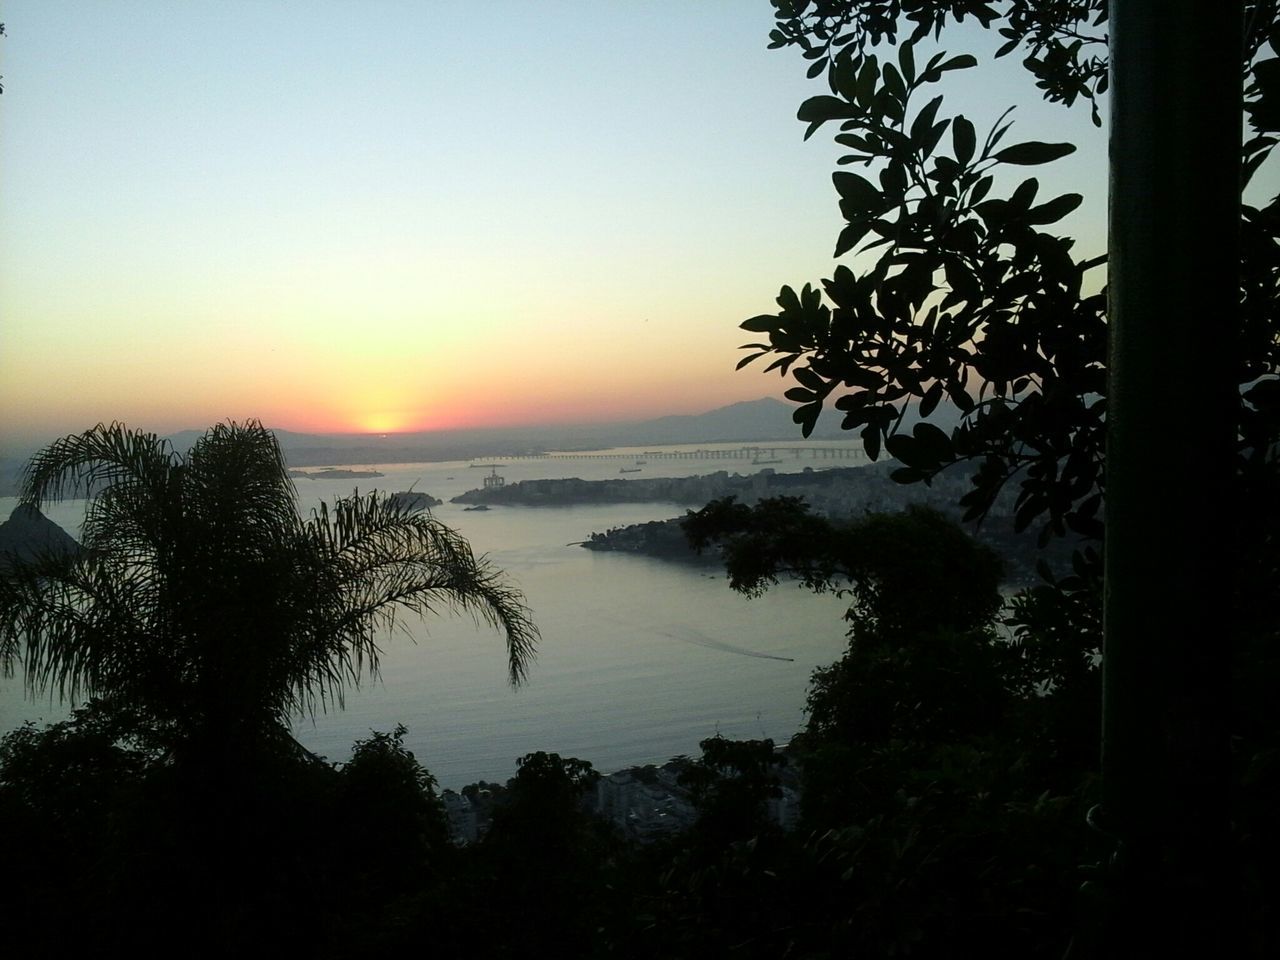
(333, 473)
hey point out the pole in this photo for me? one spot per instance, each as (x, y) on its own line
(1175, 139)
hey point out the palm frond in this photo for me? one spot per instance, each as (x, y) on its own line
(384, 557)
(73, 619)
(105, 456)
(202, 598)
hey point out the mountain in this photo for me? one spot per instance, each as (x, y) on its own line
(28, 533)
(749, 421)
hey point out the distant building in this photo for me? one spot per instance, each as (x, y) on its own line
(645, 806)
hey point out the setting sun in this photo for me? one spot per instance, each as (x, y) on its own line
(383, 422)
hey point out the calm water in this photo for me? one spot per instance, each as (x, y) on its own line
(639, 659)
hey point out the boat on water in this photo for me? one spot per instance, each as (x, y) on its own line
(629, 470)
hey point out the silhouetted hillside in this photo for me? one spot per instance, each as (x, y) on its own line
(28, 533)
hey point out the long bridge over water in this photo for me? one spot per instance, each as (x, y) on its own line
(755, 454)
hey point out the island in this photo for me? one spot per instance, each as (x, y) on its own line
(332, 473)
(29, 535)
(834, 491)
(841, 492)
(411, 500)
(663, 539)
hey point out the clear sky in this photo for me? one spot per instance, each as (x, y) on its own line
(387, 215)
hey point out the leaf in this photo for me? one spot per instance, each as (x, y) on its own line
(923, 122)
(860, 192)
(1055, 209)
(934, 135)
(868, 76)
(933, 73)
(853, 141)
(893, 82)
(964, 140)
(1029, 507)
(906, 449)
(1025, 194)
(960, 397)
(1034, 152)
(929, 402)
(907, 63)
(807, 417)
(822, 108)
(850, 236)
(871, 441)
(764, 323)
(980, 189)
(962, 62)
(800, 395)
(808, 378)
(934, 443)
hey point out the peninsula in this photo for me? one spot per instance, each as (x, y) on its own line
(333, 473)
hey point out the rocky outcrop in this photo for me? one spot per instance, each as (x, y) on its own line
(29, 534)
(411, 500)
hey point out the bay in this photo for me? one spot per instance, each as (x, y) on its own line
(639, 660)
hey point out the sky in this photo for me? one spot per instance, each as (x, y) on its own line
(394, 216)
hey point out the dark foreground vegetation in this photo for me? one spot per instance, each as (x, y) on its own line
(945, 775)
(949, 773)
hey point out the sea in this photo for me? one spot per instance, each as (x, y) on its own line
(640, 659)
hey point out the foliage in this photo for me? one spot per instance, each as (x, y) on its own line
(958, 291)
(903, 570)
(730, 786)
(546, 857)
(964, 294)
(205, 604)
(945, 766)
(1060, 38)
(542, 806)
(389, 804)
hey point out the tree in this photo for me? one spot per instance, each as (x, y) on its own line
(730, 786)
(964, 296)
(204, 603)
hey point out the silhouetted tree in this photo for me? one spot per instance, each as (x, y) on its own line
(960, 294)
(203, 602)
(938, 787)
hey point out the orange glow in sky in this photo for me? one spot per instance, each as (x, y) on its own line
(219, 230)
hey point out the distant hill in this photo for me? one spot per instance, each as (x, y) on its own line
(28, 533)
(749, 421)
(763, 419)
(766, 419)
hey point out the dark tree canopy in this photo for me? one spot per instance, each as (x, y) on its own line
(962, 291)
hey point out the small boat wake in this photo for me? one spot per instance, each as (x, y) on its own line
(689, 635)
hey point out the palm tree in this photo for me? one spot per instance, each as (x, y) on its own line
(203, 603)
